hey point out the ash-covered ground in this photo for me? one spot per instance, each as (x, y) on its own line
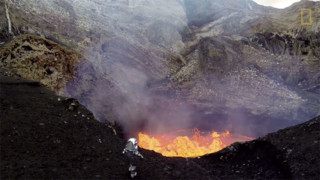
(44, 136)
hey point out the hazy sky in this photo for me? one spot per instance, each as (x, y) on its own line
(277, 3)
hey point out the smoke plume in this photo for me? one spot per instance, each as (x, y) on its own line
(133, 56)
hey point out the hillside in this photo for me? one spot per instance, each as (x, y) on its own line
(214, 57)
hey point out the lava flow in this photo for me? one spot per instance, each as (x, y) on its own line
(177, 145)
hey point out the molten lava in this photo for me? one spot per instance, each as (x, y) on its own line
(175, 145)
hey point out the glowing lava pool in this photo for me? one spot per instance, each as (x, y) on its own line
(180, 144)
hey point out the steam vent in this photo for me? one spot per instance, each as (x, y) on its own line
(159, 89)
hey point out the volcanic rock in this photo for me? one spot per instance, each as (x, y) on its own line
(39, 60)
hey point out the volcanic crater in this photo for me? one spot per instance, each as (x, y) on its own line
(203, 80)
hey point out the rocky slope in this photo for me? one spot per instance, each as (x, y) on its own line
(233, 62)
(58, 138)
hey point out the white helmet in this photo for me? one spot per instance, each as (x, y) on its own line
(134, 142)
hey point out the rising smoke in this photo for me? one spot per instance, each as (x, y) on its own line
(131, 57)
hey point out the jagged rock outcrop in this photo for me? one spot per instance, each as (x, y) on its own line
(40, 60)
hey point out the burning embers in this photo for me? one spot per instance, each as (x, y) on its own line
(184, 143)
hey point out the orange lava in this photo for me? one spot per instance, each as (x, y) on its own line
(195, 145)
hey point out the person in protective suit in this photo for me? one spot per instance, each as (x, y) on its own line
(131, 152)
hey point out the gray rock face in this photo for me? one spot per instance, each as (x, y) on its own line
(128, 19)
(100, 28)
(230, 64)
